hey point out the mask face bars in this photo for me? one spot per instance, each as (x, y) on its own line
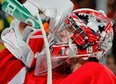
(59, 51)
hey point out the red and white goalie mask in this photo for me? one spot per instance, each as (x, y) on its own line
(85, 33)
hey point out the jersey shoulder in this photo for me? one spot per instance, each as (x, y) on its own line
(91, 73)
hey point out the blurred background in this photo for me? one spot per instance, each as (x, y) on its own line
(109, 6)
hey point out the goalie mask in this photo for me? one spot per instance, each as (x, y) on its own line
(93, 32)
(86, 33)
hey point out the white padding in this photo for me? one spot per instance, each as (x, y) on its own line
(31, 8)
(62, 6)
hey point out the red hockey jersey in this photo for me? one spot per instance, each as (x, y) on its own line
(89, 73)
